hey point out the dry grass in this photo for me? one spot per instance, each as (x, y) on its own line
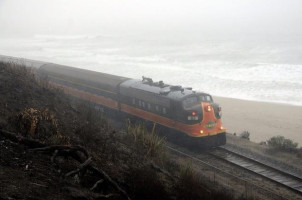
(145, 183)
(18, 69)
(95, 133)
(152, 144)
(191, 186)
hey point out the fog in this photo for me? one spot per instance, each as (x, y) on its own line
(169, 19)
(242, 49)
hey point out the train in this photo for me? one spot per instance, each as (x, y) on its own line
(184, 116)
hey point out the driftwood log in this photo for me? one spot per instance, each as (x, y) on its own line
(69, 149)
(82, 167)
(73, 151)
(22, 140)
(104, 175)
(79, 194)
(96, 185)
(78, 153)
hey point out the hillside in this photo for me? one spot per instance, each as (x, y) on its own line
(38, 113)
(56, 147)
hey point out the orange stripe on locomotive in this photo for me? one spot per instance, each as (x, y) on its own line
(192, 130)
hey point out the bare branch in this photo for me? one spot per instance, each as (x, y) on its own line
(80, 168)
(97, 184)
(22, 140)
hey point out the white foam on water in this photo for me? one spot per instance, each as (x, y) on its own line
(224, 69)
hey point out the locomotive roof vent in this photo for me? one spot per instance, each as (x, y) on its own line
(150, 82)
(147, 80)
(176, 87)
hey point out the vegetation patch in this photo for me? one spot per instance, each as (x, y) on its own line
(191, 185)
(145, 183)
(282, 143)
(151, 143)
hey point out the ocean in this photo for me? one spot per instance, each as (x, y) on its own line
(267, 70)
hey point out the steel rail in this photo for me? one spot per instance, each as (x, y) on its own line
(225, 172)
(271, 173)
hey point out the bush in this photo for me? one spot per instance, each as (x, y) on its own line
(152, 144)
(145, 183)
(281, 143)
(189, 185)
(299, 153)
(94, 130)
(40, 124)
(245, 135)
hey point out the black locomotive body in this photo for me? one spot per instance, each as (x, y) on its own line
(187, 117)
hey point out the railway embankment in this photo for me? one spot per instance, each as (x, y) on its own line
(286, 160)
(55, 147)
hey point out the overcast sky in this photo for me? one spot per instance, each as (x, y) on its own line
(151, 17)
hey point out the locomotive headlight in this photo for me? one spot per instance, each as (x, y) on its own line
(208, 108)
(201, 131)
(221, 127)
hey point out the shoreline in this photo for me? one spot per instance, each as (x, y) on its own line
(262, 119)
(258, 101)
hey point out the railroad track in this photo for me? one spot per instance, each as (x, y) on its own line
(281, 178)
(285, 179)
(290, 181)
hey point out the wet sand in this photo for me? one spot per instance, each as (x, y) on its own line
(263, 120)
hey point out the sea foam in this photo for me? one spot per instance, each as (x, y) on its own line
(228, 69)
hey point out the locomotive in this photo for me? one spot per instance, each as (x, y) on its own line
(184, 116)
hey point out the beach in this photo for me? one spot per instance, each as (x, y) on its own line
(263, 120)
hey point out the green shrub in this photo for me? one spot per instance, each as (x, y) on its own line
(152, 144)
(281, 143)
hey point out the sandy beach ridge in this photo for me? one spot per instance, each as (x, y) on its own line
(262, 119)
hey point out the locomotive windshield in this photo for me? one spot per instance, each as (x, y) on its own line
(191, 101)
(206, 98)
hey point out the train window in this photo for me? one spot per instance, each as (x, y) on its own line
(143, 104)
(190, 101)
(139, 103)
(206, 98)
(164, 110)
(157, 108)
(149, 106)
(133, 101)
